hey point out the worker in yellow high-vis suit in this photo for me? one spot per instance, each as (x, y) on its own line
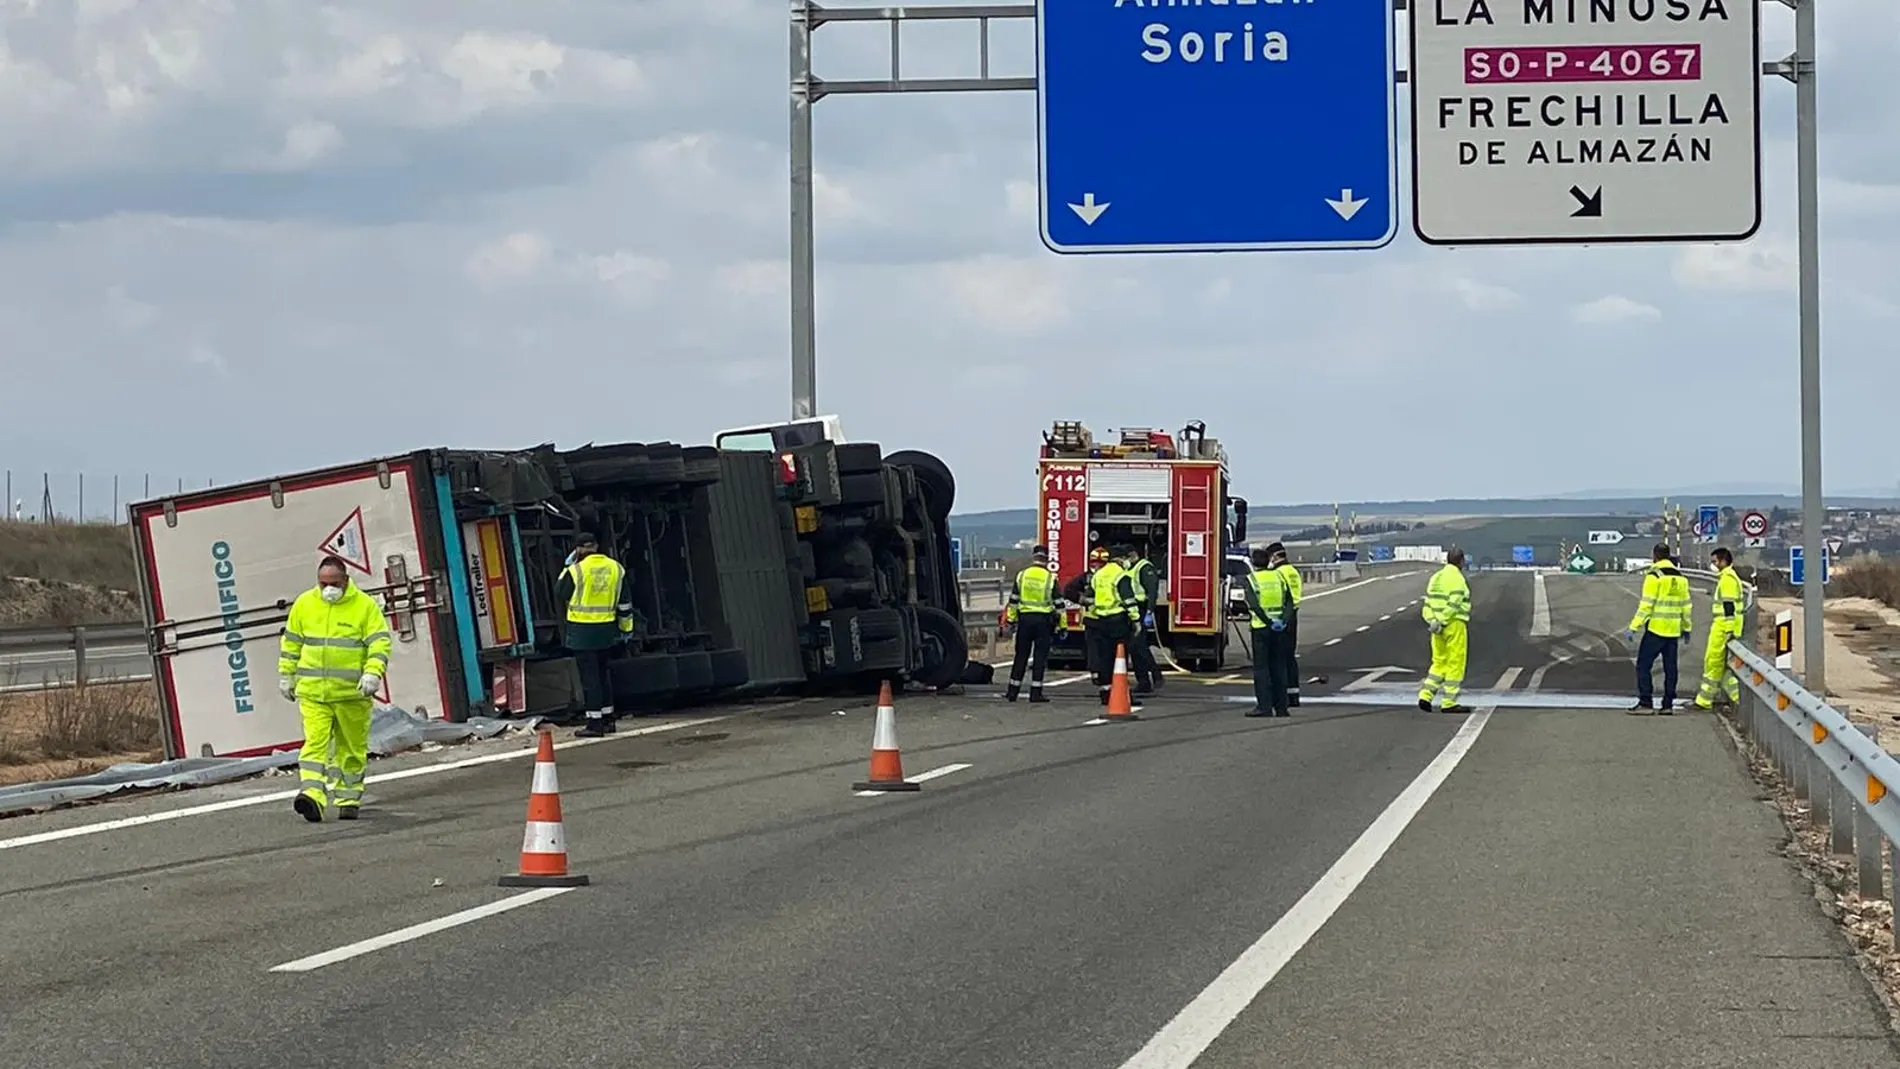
(1725, 623)
(1032, 610)
(1447, 615)
(1110, 619)
(1296, 589)
(1661, 622)
(333, 657)
(593, 586)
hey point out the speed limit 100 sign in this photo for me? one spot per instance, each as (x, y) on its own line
(1754, 525)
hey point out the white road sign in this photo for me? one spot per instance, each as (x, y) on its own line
(1754, 524)
(1605, 538)
(1552, 121)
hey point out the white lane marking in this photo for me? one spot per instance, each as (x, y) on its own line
(1540, 607)
(921, 777)
(1362, 629)
(417, 931)
(1183, 1039)
(383, 777)
(1386, 617)
(1332, 642)
(1537, 679)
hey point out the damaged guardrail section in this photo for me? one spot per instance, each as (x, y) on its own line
(1830, 763)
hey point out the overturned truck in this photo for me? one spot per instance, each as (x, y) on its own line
(782, 559)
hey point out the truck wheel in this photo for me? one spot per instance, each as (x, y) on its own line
(880, 625)
(649, 676)
(695, 671)
(729, 668)
(933, 475)
(946, 647)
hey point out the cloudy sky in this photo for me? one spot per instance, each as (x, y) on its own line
(243, 237)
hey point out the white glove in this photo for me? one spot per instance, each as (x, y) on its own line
(287, 686)
(369, 684)
(1434, 627)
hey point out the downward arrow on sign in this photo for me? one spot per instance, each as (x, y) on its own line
(1088, 210)
(1346, 206)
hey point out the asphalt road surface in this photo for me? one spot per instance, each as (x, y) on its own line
(1542, 882)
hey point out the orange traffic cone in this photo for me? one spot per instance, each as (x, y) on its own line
(1120, 705)
(887, 766)
(544, 846)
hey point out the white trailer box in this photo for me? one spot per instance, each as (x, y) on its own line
(221, 567)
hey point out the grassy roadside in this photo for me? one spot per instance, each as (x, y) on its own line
(58, 575)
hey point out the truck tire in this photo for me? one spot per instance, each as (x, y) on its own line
(694, 670)
(881, 625)
(729, 668)
(933, 476)
(856, 458)
(946, 648)
(646, 677)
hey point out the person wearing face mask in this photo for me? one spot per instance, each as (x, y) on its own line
(332, 658)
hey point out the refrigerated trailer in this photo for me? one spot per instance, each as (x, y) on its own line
(1167, 494)
(463, 549)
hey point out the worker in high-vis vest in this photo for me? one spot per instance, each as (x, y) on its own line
(1141, 657)
(1661, 622)
(1726, 615)
(1447, 614)
(1032, 611)
(332, 659)
(1110, 618)
(593, 586)
(1268, 604)
(1296, 589)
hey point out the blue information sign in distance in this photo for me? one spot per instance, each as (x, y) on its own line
(1166, 126)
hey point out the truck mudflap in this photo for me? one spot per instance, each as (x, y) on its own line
(221, 568)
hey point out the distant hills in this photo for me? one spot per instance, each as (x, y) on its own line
(1002, 526)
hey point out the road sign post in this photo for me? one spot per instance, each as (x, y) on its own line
(1536, 123)
(1189, 128)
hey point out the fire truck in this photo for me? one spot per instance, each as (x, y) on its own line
(1166, 494)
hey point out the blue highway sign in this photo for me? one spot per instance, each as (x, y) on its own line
(1523, 555)
(1170, 127)
(1797, 570)
(956, 555)
(1708, 522)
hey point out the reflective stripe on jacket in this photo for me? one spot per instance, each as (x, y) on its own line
(1114, 593)
(1295, 587)
(597, 597)
(1139, 575)
(1269, 600)
(328, 648)
(1035, 592)
(1665, 608)
(1447, 597)
(1730, 601)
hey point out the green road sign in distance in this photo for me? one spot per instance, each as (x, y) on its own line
(1582, 563)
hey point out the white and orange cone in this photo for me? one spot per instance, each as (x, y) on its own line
(544, 844)
(887, 765)
(1121, 705)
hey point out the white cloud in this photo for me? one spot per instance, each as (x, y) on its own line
(1759, 265)
(1006, 295)
(1614, 308)
(1482, 296)
(205, 199)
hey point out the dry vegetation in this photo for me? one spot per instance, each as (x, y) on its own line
(58, 575)
(63, 731)
(1879, 580)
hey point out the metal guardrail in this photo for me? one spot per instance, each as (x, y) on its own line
(1829, 762)
(76, 641)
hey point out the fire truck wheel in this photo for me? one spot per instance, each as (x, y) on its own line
(946, 647)
(933, 475)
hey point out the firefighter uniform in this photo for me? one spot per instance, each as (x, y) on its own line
(1447, 613)
(1290, 574)
(1141, 657)
(1033, 610)
(1109, 621)
(1725, 624)
(599, 613)
(332, 658)
(1268, 601)
(1662, 620)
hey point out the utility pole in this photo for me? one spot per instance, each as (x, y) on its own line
(1808, 222)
